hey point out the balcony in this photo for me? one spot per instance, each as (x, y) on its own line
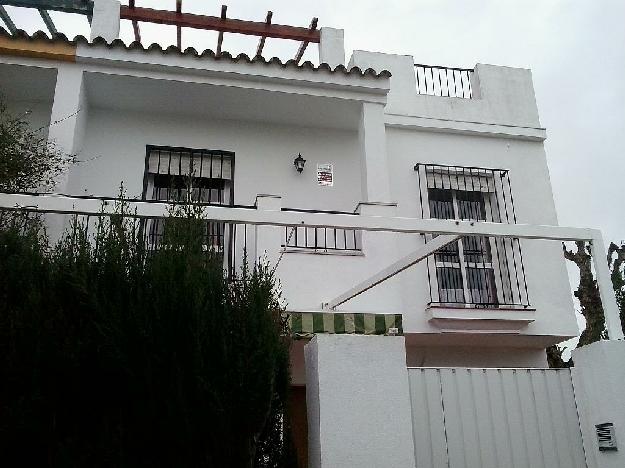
(435, 80)
(367, 283)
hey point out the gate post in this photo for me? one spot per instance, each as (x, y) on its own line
(358, 400)
(599, 382)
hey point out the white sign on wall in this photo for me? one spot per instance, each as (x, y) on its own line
(325, 175)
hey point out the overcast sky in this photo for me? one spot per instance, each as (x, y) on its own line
(575, 48)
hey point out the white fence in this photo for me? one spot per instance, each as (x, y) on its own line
(494, 418)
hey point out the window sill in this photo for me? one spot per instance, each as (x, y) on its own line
(340, 253)
(470, 319)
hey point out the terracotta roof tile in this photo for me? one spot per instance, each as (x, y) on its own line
(190, 51)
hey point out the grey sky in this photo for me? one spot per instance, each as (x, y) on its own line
(576, 50)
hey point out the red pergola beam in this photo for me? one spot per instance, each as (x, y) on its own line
(215, 23)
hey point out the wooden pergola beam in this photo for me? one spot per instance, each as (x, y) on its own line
(220, 38)
(45, 16)
(135, 24)
(304, 44)
(83, 7)
(261, 42)
(7, 20)
(178, 28)
(215, 23)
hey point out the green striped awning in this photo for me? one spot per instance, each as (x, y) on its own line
(307, 324)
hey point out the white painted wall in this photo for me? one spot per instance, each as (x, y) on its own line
(599, 379)
(267, 120)
(358, 402)
(533, 204)
(114, 151)
(332, 47)
(475, 356)
(503, 95)
(36, 113)
(105, 21)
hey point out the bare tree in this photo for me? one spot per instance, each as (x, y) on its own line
(588, 294)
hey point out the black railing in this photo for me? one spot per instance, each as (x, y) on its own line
(478, 271)
(178, 174)
(444, 81)
(323, 239)
(234, 242)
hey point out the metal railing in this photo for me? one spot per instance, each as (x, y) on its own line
(440, 81)
(476, 271)
(321, 239)
(253, 216)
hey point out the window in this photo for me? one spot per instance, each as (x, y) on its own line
(465, 268)
(480, 271)
(181, 174)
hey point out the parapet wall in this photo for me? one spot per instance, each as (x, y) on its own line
(502, 96)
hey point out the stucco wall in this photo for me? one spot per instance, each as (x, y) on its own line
(358, 404)
(114, 151)
(599, 379)
(533, 202)
(475, 356)
(124, 108)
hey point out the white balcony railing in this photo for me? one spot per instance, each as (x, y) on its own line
(258, 222)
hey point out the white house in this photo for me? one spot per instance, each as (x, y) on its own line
(398, 158)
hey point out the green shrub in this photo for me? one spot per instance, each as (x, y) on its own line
(114, 355)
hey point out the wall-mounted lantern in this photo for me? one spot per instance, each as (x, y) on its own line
(299, 163)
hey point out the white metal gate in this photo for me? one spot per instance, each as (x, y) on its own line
(495, 418)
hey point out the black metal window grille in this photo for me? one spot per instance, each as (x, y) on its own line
(322, 239)
(480, 271)
(176, 174)
(444, 81)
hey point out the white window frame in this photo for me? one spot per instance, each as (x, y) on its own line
(463, 264)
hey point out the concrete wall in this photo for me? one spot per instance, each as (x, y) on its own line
(114, 151)
(268, 119)
(358, 402)
(475, 356)
(461, 417)
(533, 203)
(502, 95)
(599, 380)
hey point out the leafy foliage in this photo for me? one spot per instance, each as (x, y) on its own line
(113, 355)
(616, 262)
(27, 160)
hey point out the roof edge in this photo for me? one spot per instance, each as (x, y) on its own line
(59, 38)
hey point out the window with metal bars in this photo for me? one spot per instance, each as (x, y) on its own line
(479, 271)
(176, 174)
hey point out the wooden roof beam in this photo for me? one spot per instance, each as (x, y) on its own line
(45, 16)
(179, 28)
(7, 20)
(304, 44)
(215, 23)
(82, 7)
(135, 24)
(220, 38)
(261, 42)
